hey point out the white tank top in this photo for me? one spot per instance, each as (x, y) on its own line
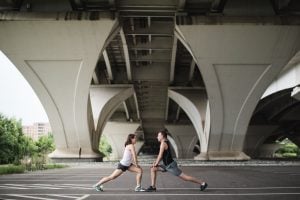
(127, 157)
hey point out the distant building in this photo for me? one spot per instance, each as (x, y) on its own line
(37, 130)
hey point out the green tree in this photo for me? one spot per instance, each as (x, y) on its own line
(288, 150)
(11, 139)
(28, 147)
(104, 146)
(45, 144)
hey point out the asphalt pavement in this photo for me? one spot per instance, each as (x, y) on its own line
(225, 182)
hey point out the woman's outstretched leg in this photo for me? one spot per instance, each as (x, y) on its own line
(114, 175)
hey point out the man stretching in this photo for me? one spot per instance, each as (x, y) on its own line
(169, 164)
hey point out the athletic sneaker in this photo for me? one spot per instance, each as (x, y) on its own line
(139, 189)
(151, 189)
(203, 186)
(98, 188)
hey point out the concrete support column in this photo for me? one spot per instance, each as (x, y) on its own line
(185, 137)
(194, 103)
(268, 150)
(105, 99)
(256, 136)
(116, 133)
(57, 58)
(237, 63)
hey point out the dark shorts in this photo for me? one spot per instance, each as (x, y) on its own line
(172, 168)
(122, 167)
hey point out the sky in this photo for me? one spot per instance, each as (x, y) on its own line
(17, 98)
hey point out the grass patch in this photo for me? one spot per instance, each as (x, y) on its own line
(54, 166)
(11, 169)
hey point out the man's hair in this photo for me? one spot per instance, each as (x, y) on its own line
(164, 133)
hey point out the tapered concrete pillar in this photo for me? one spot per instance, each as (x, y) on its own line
(256, 136)
(194, 103)
(185, 137)
(105, 99)
(237, 63)
(57, 57)
(116, 134)
(268, 150)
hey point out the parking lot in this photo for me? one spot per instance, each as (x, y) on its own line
(225, 182)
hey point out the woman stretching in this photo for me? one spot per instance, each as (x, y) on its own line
(129, 162)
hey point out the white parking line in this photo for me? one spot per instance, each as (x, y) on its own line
(35, 196)
(29, 196)
(6, 187)
(43, 186)
(45, 180)
(64, 196)
(235, 188)
(51, 186)
(35, 186)
(89, 187)
(83, 197)
(212, 188)
(198, 194)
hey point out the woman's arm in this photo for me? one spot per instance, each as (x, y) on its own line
(135, 161)
(160, 154)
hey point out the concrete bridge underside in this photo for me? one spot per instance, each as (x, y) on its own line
(114, 68)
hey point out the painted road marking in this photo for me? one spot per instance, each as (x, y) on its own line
(83, 197)
(89, 187)
(64, 196)
(5, 187)
(36, 196)
(30, 196)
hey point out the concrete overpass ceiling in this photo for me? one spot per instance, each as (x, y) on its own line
(158, 7)
(149, 40)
